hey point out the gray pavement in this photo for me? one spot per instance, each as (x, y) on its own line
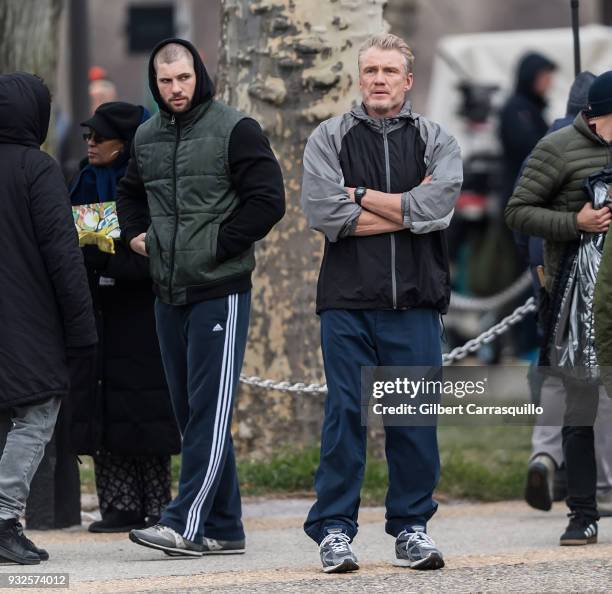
(501, 547)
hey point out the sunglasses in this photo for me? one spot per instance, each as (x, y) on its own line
(87, 136)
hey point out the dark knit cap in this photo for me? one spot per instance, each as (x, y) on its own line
(116, 119)
(600, 96)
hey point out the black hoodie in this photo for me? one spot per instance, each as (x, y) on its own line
(254, 172)
(45, 304)
(204, 90)
(522, 121)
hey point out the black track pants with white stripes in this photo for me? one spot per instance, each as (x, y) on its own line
(202, 347)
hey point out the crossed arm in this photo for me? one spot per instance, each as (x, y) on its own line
(330, 206)
(381, 212)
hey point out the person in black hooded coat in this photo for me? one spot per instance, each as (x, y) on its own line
(522, 121)
(121, 410)
(46, 315)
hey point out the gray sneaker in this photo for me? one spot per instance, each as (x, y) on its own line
(212, 546)
(417, 550)
(336, 553)
(166, 539)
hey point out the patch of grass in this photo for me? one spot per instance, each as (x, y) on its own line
(286, 471)
(483, 464)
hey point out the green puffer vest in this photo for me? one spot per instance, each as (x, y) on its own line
(550, 191)
(184, 165)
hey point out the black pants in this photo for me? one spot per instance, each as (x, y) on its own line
(579, 447)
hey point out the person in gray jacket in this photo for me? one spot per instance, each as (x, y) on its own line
(380, 182)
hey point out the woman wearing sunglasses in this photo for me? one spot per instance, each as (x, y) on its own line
(121, 414)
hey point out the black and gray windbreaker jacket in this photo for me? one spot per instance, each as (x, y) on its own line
(401, 270)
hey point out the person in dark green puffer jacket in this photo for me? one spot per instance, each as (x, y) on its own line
(549, 201)
(202, 186)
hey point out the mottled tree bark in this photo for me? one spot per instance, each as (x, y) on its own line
(28, 37)
(290, 65)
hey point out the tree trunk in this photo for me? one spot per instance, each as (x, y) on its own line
(289, 64)
(29, 37)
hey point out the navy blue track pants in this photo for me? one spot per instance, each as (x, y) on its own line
(351, 339)
(202, 347)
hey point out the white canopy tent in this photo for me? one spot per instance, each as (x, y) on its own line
(491, 58)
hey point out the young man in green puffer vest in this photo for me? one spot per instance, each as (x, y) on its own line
(549, 201)
(202, 186)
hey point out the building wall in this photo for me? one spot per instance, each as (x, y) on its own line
(197, 21)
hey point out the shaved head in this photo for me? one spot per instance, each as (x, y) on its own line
(173, 52)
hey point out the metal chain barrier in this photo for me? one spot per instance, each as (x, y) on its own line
(492, 333)
(494, 302)
(456, 354)
(254, 380)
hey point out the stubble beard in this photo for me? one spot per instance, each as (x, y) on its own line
(383, 109)
(171, 106)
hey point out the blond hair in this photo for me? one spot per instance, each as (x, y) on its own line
(388, 41)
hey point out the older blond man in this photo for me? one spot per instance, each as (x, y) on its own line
(380, 182)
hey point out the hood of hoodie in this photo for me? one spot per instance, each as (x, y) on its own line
(204, 89)
(579, 93)
(529, 67)
(25, 109)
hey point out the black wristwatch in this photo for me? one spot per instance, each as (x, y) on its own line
(360, 192)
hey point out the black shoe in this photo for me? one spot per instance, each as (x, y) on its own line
(118, 521)
(580, 531)
(13, 547)
(540, 481)
(42, 553)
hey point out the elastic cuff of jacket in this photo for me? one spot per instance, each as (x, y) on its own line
(128, 234)
(350, 226)
(406, 210)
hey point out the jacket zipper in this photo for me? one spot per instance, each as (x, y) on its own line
(174, 122)
(392, 235)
